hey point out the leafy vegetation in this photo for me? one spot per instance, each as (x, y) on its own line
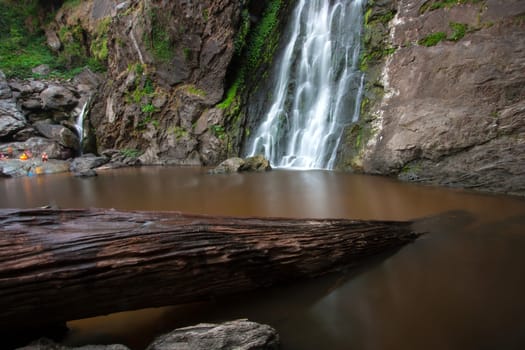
(432, 39)
(179, 132)
(240, 39)
(230, 95)
(23, 42)
(192, 89)
(458, 31)
(159, 40)
(218, 131)
(262, 34)
(130, 152)
(430, 6)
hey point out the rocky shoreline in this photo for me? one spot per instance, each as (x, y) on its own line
(238, 334)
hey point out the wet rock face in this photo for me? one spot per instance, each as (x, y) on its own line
(453, 113)
(167, 65)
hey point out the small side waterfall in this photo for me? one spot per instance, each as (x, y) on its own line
(79, 123)
(318, 86)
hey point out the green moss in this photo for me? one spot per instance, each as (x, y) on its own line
(130, 152)
(263, 35)
(158, 40)
(99, 43)
(196, 91)
(218, 131)
(458, 31)
(432, 39)
(187, 53)
(240, 38)
(230, 95)
(435, 5)
(179, 132)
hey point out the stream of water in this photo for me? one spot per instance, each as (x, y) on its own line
(459, 287)
(318, 86)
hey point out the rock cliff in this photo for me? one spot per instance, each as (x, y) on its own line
(445, 100)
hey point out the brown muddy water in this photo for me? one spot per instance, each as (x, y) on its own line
(461, 286)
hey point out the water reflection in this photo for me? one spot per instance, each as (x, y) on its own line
(459, 287)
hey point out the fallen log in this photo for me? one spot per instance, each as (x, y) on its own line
(59, 265)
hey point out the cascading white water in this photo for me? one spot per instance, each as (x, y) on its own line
(79, 123)
(318, 86)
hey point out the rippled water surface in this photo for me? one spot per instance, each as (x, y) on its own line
(459, 287)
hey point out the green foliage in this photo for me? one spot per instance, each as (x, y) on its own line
(159, 40)
(187, 53)
(231, 94)
(374, 55)
(196, 91)
(130, 152)
(431, 6)
(148, 108)
(141, 92)
(23, 42)
(432, 39)
(218, 131)
(458, 31)
(240, 39)
(71, 3)
(179, 132)
(99, 44)
(262, 33)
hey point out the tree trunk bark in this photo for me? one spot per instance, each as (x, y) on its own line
(58, 265)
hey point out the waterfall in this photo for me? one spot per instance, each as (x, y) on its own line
(79, 123)
(317, 86)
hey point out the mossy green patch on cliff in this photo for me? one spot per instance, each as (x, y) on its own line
(263, 36)
(99, 44)
(440, 4)
(458, 31)
(432, 39)
(375, 47)
(158, 40)
(192, 89)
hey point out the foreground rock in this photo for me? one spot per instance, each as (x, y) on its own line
(17, 168)
(46, 344)
(239, 334)
(85, 165)
(251, 164)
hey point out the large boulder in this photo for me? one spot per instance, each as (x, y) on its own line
(85, 165)
(17, 168)
(11, 119)
(57, 97)
(230, 165)
(256, 163)
(238, 334)
(60, 134)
